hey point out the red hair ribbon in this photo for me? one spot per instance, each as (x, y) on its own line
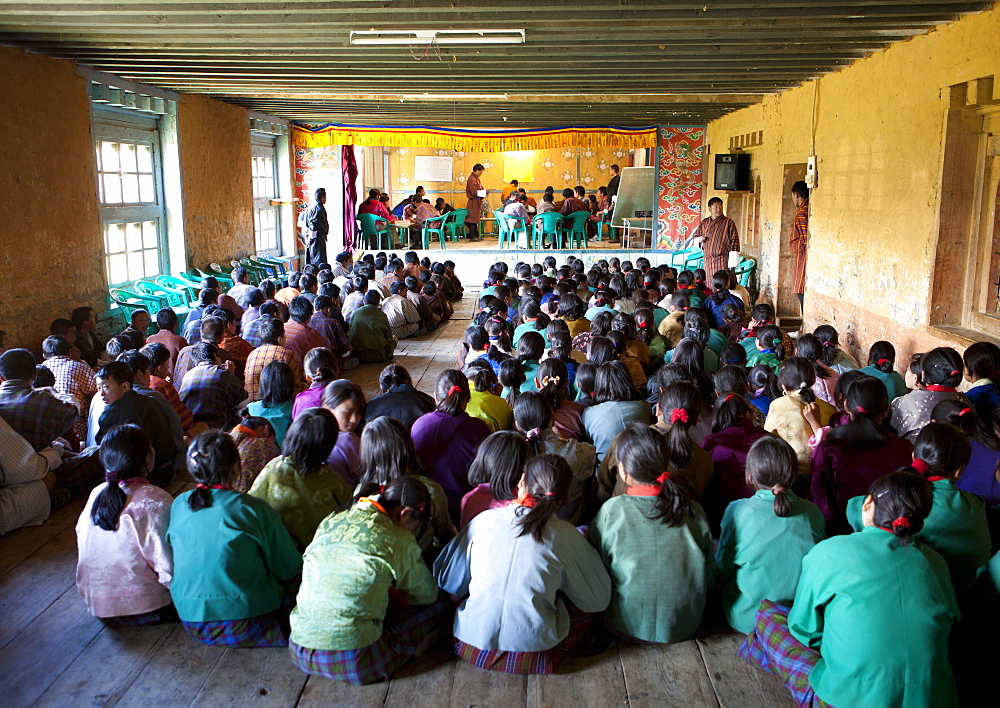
(248, 431)
(731, 395)
(642, 325)
(663, 477)
(883, 361)
(827, 344)
(454, 390)
(901, 522)
(212, 486)
(964, 411)
(920, 466)
(860, 409)
(955, 372)
(679, 414)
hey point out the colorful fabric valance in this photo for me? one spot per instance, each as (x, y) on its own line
(472, 140)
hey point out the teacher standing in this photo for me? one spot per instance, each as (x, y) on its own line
(475, 203)
(717, 236)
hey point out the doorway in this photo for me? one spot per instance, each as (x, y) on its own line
(786, 303)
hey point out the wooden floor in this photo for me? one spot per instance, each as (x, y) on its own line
(53, 653)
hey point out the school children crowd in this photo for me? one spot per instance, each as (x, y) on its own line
(618, 453)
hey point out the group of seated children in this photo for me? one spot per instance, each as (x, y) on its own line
(578, 480)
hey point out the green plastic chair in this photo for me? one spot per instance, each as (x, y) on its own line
(503, 229)
(516, 226)
(273, 262)
(436, 226)
(744, 271)
(694, 260)
(261, 272)
(220, 273)
(455, 229)
(605, 221)
(129, 301)
(271, 269)
(548, 223)
(574, 228)
(174, 297)
(373, 228)
(175, 283)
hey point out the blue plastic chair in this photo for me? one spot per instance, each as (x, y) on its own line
(574, 228)
(373, 228)
(548, 223)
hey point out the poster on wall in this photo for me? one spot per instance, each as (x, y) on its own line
(678, 208)
(432, 168)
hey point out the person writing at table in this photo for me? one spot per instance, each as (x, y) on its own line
(475, 204)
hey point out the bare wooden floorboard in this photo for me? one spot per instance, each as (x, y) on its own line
(48, 646)
(321, 691)
(736, 683)
(174, 674)
(594, 681)
(426, 682)
(105, 670)
(253, 677)
(475, 688)
(666, 674)
(20, 544)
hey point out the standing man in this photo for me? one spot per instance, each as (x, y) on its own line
(475, 204)
(613, 182)
(716, 235)
(800, 239)
(317, 228)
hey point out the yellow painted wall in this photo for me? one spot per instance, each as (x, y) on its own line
(879, 130)
(562, 167)
(48, 191)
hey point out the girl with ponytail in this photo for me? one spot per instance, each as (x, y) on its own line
(786, 416)
(485, 402)
(940, 373)
(554, 384)
(530, 349)
(809, 347)
(678, 412)
(735, 428)
(764, 387)
(833, 356)
(234, 561)
(750, 569)
(561, 348)
(254, 438)
(532, 320)
(446, 439)
(881, 579)
(881, 365)
(320, 366)
(675, 550)
(495, 474)
(982, 371)
(520, 571)
(769, 348)
(956, 526)
(853, 455)
(533, 418)
(982, 475)
(359, 621)
(615, 407)
(124, 566)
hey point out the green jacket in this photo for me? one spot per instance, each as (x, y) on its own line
(348, 569)
(748, 565)
(956, 528)
(302, 502)
(229, 558)
(371, 335)
(879, 612)
(660, 574)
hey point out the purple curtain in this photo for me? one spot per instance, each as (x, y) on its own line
(349, 169)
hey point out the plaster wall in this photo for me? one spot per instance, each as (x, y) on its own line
(214, 144)
(879, 133)
(48, 196)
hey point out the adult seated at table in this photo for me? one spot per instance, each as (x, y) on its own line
(373, 205)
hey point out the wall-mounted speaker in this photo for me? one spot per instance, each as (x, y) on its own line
(732, 172)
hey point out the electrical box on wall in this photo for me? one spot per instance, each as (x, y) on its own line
(811, 175)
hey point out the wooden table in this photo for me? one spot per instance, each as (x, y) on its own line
(402, 227)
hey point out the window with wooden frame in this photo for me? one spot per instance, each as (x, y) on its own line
(129, 176)
(266, 221)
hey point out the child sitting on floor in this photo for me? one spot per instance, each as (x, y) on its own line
(661, 583)
(234, 562)
(254, 438)
(320, 368)
(872, 612)
(787, 416)
(495, 473)
(346, 401)
(367, 602)
(982, 371)
(752, 528)
(125, 565)
(881, 365)
(299, 485)
(277, 390)
(524, 577)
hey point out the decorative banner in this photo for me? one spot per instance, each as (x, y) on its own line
(679, 184)
(472, 140)
(315, 167)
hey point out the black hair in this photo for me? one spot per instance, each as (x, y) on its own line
(451, 391)
(553, 379)
(613, 383)
(943, 448)
(867, 402)
(210, 459)
(277, 384)
(124, 450)
(966, 420)
(680, 405)
(809, 347)
(61, 326)
(300, 309)
(830, 340)
(798, 374)
(730, 402)
(401, 493)
(342, 390)
(769, 337)
(772, 464)
(500, 461)
(586, 378)
(310, 439)
(393, 375)
(733, 355)
(644, 454)
(882, 356)
(80, 315)
(203, 351)
(44, 377)
(546, 483)
(941, 366)
(844, 382)
(982, 361)
(387, 451)
(510, 374)
(480, 375)
(166, 319)
(532, 412)
(136, 360)
(117, 371)
(55, 346)
(271, 330)
(902, 501)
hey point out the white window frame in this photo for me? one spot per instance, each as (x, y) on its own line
(122, 127)
(266, 216)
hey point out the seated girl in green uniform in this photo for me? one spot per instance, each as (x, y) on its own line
(872, 612)
(367, 602)
(753, 528)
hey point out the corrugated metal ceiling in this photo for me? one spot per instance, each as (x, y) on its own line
(631, 62)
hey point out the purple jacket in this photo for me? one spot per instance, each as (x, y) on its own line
(446, 446)
(728, 448)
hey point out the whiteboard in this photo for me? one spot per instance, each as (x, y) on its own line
(432, 168)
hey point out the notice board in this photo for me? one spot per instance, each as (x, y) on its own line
(432, 168)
